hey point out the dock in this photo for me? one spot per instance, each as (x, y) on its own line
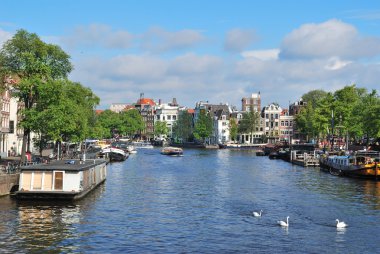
(305, 159)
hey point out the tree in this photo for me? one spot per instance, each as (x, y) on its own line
(313, 97)
(160, 128)
(203, 127)
(63, 112)
(369, 115)
(250, 122)
(132, 122)
(233, 129)
(183, 127)
(109, 121)
(34, 63)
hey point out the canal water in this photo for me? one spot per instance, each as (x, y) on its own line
(201, 203)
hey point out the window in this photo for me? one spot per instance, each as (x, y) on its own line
(174, 118)
(282, 123)
(169, 117)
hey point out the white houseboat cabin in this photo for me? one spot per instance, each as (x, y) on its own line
(70, 179)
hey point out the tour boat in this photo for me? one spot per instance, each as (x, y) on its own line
(60, 180)
(173, 151)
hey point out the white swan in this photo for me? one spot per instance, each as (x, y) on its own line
(256, 214)
(340, 224)
(283, 223)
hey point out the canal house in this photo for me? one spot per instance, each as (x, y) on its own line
(69, 180)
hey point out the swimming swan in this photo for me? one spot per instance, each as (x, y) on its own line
(340, 224)
(256, 214)
(283, 223)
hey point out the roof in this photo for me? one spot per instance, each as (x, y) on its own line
(145, 101)
(64, 165)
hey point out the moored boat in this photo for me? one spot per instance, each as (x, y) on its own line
(61, 180)
(358, 165)
(115, 154)
(172, 151)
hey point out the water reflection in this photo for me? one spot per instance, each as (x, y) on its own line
(42, 227)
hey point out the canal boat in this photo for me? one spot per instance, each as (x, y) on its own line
(60, 180)
(172, 151)
(358, 165)
(115, 154)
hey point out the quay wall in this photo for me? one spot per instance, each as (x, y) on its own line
(7, 181)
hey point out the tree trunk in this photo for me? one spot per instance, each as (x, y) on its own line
(24, 144)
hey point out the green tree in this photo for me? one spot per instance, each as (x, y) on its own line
(132, 122)
(369, 115)
(313, 97)
(203, 127)
(250, 122)
(233, 129)
(183, 127)
(109, 121)
(34, 63)
(63, 112)
(160, 128)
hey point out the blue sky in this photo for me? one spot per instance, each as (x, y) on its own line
(216, 51)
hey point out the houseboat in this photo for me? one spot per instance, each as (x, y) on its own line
(172, 151)
(358, 165)
(61, 180)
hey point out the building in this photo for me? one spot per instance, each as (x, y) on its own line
(294, 109)
(146, 108)
(119, 107)
(4, 128)
(271, 115)
(220, 114)
(253, 102)
(286, 127)
(250, 104)
(167, 112)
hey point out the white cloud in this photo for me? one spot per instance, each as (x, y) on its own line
(332, 38)
(334, 63)
(268, 54)
(4, 36)
(158, 40)
(238, 40)
(98, 35)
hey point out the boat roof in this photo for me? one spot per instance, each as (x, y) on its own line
(66, 165)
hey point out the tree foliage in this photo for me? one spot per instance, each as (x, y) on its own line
(126, 123)
(249, 122)
(349, 111)
(203, 126)
(160, 128)
(233, 129)
(35, 63)
(183, 127)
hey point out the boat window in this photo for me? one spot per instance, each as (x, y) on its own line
(48, 181)
(58, 180)
(37, 180)
(26, 180)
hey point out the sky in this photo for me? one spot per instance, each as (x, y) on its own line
(215, 51)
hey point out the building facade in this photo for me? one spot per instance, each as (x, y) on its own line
(167, 112)
(146, 108)
(286, 127)
(271, 115)
(294, 109)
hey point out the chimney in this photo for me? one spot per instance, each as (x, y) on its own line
(174, 102)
